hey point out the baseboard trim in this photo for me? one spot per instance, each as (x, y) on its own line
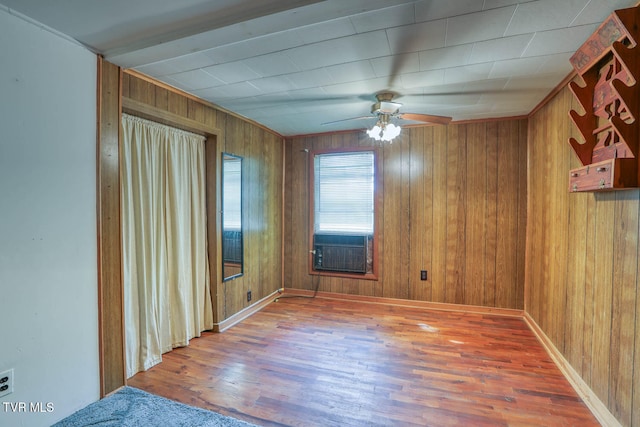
(245, 313)
(595, 405)
(407, 303)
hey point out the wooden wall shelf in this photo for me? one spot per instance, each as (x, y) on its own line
(609, 65)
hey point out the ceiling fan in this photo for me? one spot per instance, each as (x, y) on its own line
(385, 109)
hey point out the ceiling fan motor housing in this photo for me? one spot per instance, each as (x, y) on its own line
(385, 107)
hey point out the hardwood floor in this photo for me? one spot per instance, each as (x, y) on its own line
(325, 362)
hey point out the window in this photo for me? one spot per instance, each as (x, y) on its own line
(344, 212)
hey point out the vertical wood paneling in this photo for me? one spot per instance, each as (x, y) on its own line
(625, 264)
(110, 290)
(142, 90)
(635, 385)
(393, 220)
(559, 219)
(576, 270)
(576, 267)
(506, 168)
(195, 110)
(214, 244)
(177, 104)
(582, 266)
(603, 262)
(438, 244)
(546, 205)
(273, 215)
(523, 214)
(162, 98)
(587, 323)
(402, 274)
(253, 220)
(444, 210)
(422, 208)
(476, 207)
(420, 201)
(456, 185)
(298, 238)
(491, 216)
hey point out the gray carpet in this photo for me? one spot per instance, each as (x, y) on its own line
(132, 407)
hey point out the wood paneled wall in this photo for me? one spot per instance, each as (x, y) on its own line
(110, 291)
(582, 266)
(262, 152)
(454, 204)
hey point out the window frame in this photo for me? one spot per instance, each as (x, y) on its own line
(377, 211)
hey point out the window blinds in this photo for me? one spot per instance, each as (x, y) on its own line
(344, 186)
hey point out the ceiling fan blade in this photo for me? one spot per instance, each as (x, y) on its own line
(427, 118)
(346, 120)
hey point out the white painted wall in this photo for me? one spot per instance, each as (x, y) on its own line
(48, 268)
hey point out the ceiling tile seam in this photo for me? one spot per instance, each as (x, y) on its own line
(579, 13)
(468, 59)
(386, 36)
(315, 43)
(506, 30)
(493, 66)
(464, 14)
(446, 32)
(239, 61)
(484, 8)
(533, 36)
(353, 26)
(550, 30)
(222, 82)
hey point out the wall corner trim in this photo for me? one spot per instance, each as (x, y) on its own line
(587, 395)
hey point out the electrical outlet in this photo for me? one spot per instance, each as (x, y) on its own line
(248, 296)
(6, 382)
(423, 274)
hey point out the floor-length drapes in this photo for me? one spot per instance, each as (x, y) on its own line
(164, 240)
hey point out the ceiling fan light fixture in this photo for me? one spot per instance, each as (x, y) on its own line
(390, 131)
(375, 132)
(384, 131)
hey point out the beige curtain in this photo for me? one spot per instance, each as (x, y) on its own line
(164, 240)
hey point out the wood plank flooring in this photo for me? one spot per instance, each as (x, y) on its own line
(326, 362)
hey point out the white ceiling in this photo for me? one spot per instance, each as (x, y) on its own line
(293, 65)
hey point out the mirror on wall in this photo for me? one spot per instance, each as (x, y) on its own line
(232, 244)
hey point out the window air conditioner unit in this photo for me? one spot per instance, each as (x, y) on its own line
(340, 253)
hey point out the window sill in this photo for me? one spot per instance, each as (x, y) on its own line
(366, 276)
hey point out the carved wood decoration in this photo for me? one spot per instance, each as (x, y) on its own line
(609, 67)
